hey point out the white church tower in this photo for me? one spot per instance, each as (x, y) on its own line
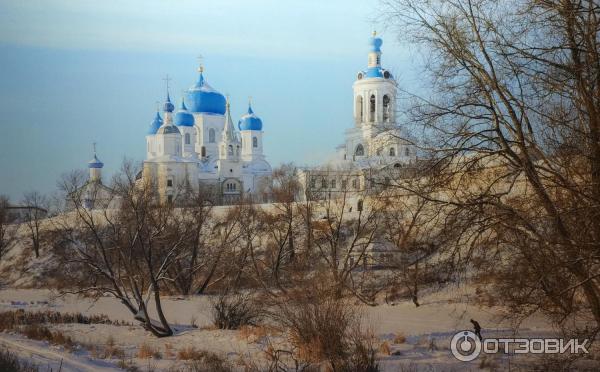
(229, 164)
(375, 136)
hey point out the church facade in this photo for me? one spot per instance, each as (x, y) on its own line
(198, 145)
(376, 147)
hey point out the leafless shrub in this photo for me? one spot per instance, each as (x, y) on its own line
(235, 311)
(323, 328)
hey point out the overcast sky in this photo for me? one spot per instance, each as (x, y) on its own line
(77, 72)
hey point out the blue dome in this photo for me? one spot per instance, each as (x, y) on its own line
(250, 121)
(203, 98)
(376, 72)
(375, 44)
(156, 123)
(95, 163)
(183, 117)
(168, 106)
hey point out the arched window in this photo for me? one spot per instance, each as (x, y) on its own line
(254, 142)
(359, 109)
(360, 150)
(355, 183)
(203, 151)
(359, 205)
(230, 150)
(187, 138)
(333, 184)
(392, 151)
(406, 151)
(211, 135)
(323, 183)
(237, 150)
(386, 108)
(372, 108)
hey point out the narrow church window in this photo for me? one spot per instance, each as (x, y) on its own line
(230, 150)
(254, 142)
(344, 184)
(386, 108)
(359, 109)
(313, 183)
(169, 183)
(187, 138)
(359, 206)
(203, 151)
(323, 183)
(211, 135)
(237, 150)
(392, 151)
(372, 108)
(407, 151)
(355, 183)
(360, 150)
(333, 184)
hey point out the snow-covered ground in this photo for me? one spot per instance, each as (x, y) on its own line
(439, 317)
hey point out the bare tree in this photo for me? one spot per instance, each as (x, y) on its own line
(35, 208)
(281, 221)
(128, 252)
(514, 133)
(343, 235)
(197, 221)
(8, 228)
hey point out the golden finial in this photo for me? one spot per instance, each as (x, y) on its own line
(200, 65)
(374, 33)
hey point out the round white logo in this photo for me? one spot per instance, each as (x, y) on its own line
(465, 346)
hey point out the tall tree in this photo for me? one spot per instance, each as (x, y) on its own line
(514, 134)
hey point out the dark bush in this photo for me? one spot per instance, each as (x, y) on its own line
(234, 311)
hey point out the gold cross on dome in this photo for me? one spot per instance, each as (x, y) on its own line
(200, 65)
(167, 79)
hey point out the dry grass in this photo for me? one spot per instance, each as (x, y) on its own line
(399, 338)
(43, 333)
(203, 361)
(147, 351)
(385, 348)
(12, 319)
(252, 333)
(169, 351)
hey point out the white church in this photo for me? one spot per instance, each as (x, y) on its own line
(376, 147)
(199, 144)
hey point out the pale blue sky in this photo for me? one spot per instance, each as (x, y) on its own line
(75, 72)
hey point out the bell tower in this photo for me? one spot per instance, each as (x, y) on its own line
(374, 91)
